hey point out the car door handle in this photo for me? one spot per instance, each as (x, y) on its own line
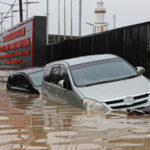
(57, 93)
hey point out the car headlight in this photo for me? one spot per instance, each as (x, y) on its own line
(148, 92)
(93, 105)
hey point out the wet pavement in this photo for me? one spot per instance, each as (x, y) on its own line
(29, 123)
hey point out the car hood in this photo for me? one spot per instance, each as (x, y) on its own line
(116, 90)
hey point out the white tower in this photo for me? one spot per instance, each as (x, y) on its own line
(100, 15)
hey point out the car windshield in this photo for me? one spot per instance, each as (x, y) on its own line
(37, 78)
(101, 71)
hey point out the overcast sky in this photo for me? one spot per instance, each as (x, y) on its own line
(128, 12)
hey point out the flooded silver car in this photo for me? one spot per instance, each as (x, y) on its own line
(96, 82)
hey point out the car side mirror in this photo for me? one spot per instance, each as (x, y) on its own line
(141, 70)
(26, 86)
(61, 83)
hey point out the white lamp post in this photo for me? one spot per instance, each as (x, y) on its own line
(71, 21)
(47, 25)
(64, 19)
(1, 22)
(80, 17)
(27, 9)
(114, 20)
(12, 21)
(59, 20)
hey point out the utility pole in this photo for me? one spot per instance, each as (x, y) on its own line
(27, 9)
(12, 19)
(1, 22)
(20, 9)
(47, 26)
(80, 17)
(59, 20)
(71, 20)
(64, 19)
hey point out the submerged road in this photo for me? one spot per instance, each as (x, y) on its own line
(29, 123)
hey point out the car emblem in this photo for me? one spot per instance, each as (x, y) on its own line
(129, 100)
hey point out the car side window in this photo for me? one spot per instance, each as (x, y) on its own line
(47, 74)
(54, 75)
(64, 76)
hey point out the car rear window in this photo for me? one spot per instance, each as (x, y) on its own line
(37, 78)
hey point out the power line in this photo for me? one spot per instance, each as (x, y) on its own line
(9, 11)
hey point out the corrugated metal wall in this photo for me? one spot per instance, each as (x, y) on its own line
(131, 43)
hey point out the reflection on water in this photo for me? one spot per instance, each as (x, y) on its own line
(27, 122)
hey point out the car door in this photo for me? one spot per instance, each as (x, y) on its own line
(50, 87)
(61, 93)
(67, 94)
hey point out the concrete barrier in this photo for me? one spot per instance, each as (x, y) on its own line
(4, 75)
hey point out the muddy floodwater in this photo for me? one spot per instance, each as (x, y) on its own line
(29, 123)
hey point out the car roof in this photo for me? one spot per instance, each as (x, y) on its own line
(28, 70)
(86, 59)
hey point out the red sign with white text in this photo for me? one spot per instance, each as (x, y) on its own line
(15, 45)
(14, 35)
(10, 62)
(22, 53)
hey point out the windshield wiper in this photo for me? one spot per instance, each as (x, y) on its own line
(129, 77)
(92, 84)
(102, 82)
